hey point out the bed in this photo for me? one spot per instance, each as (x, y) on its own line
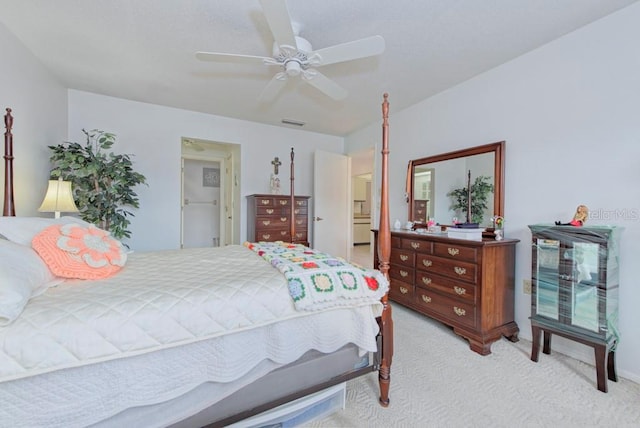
(183, 338)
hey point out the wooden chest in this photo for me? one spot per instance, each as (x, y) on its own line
(269, 218)
(468, 285)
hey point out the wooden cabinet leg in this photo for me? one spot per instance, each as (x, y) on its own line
(535, 348)
(611, 366)
(547, 343)
(601, 353)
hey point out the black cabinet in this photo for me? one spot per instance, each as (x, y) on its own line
(575, 290)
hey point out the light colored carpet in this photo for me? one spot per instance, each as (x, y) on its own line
(437, 381)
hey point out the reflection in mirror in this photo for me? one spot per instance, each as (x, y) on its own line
(423, 185)
(431, 179)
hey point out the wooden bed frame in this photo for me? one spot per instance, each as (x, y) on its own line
(383, 358)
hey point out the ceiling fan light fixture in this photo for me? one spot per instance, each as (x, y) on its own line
(292, 67)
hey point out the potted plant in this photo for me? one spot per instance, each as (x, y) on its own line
(480, 190)
(102, 182)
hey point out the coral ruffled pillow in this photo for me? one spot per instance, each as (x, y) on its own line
(77, 251)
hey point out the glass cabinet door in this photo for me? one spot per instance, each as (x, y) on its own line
(547, 278)
(584, 286)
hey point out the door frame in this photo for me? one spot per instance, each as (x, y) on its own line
(223, 196)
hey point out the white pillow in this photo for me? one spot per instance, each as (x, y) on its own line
(23, 275)
(23, 229)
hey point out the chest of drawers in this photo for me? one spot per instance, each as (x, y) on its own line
(269, 217)
(468, 285)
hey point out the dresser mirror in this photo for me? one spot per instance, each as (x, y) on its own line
(430, 179)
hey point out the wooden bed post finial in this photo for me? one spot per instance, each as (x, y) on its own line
(9, 208)
(384, 253)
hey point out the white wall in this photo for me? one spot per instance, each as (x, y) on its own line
(39, 105)
(153, 134)
(570, 115)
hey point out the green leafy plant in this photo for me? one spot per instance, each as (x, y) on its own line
(480, 190)
(102, 182)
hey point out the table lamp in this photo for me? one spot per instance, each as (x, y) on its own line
(59, 198)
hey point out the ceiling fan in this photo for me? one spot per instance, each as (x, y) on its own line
(295, 56)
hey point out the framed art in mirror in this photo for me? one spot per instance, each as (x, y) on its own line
(431, 179)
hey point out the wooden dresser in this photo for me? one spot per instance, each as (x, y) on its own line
(468, 285)
(268, 218)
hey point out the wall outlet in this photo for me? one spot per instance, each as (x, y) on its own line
(526, 286)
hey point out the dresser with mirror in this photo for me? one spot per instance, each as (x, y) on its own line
(466, 284)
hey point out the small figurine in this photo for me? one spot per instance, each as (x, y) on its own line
(579, 218)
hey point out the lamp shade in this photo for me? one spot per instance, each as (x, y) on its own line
(59, 198)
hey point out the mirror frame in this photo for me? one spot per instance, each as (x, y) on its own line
(498, 167)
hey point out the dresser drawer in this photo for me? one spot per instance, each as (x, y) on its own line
(400, 291)
(457, 289)
(275, 222)
(298, 211)
(450, 268)
(454, 251)
(300, 236)
(268, 211)
(401, 273)
(396, 242)
(417, 245)
(272, 235)
(403, 257)
(452, 309)
(301, 223)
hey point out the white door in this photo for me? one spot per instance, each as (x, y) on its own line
(201, 203)
(331, 208)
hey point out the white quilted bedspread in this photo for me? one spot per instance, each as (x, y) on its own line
(159, 300)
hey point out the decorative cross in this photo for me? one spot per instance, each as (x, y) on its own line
(276, 163)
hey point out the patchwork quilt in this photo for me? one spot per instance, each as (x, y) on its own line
(317, 280)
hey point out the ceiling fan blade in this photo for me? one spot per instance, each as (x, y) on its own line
(327, 86)
(362, 48)
(279, 21)
(272, 89)
(231, 58)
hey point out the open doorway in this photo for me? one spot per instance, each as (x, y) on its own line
(362, 166)
(210, 189)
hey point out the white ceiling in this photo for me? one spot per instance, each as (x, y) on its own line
(143, 50)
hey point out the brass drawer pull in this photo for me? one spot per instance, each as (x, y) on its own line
(427, 263)
(459, 290)
(283, 219)
(299, 235)
(300, 203)
(404, 290)
(426, 280)
(266, 236)
(296, 212)
(404, 273)
(459, 311)
(460, 270)
(415, 245)
(283, 202)
(299, 221)
(404, 257)
(265, 201)
(283, 232)
(266, 222)
(269, 210)
(426, 299)
(453, 251)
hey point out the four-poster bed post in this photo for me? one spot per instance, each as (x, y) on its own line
(384, 253)
(9, 208)
(292, 203)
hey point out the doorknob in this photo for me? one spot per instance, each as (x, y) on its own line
(318, 218)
